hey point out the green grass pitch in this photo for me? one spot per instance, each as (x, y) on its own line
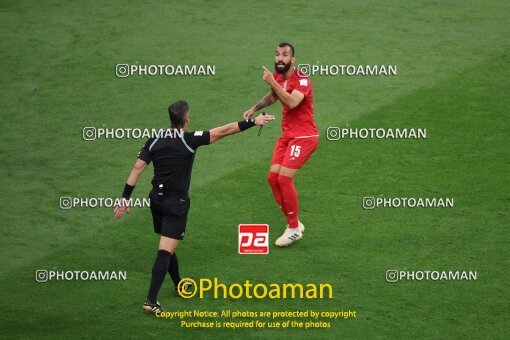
(57, 76)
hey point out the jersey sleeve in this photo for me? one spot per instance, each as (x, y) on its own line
(197, 138)
(303, 85)
(145, 153)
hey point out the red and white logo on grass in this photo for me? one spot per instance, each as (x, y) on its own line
(253, 239)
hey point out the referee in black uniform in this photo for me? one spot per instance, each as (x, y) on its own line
(172, 156)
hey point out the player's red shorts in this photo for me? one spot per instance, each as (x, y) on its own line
(294, 152)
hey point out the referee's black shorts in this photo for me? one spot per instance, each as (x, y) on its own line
(169, 213)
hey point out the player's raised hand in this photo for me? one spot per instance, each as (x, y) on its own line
(122, 208)
(263, 118)
(268, 76)
(248, 114)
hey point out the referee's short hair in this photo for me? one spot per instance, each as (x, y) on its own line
(178, 112)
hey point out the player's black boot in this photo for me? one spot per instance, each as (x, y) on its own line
(152, 308)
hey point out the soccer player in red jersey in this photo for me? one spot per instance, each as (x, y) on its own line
(299, 139)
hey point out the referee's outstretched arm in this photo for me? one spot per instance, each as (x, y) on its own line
(232, 128)
(214, 135)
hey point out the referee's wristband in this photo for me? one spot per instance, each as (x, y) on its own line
(128, 190)
(246, 124)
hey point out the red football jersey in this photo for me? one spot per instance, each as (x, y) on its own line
(298, 122)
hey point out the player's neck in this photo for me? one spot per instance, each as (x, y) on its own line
(288, 73)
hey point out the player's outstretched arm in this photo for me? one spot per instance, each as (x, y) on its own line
(232, 128)
(137, 170)
(267, 100)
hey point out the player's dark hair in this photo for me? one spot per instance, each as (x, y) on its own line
(283, 44)
(178, 112)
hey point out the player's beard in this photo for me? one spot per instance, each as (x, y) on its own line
(284, 69)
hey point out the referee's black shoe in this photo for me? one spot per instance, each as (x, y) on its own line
(186, 287)
(152, 308)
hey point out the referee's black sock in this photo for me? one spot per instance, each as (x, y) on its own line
(173, 270)
(158, 274)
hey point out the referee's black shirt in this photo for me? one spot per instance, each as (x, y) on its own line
(173, 157)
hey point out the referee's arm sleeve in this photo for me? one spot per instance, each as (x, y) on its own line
(145, 153)
(197, 138)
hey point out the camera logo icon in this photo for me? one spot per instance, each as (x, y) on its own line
(66, 203)
(304, 70)
(122, 70)
(368, 203)
(392, 275)
(89, 133)
(41, 275)
(333, 133)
